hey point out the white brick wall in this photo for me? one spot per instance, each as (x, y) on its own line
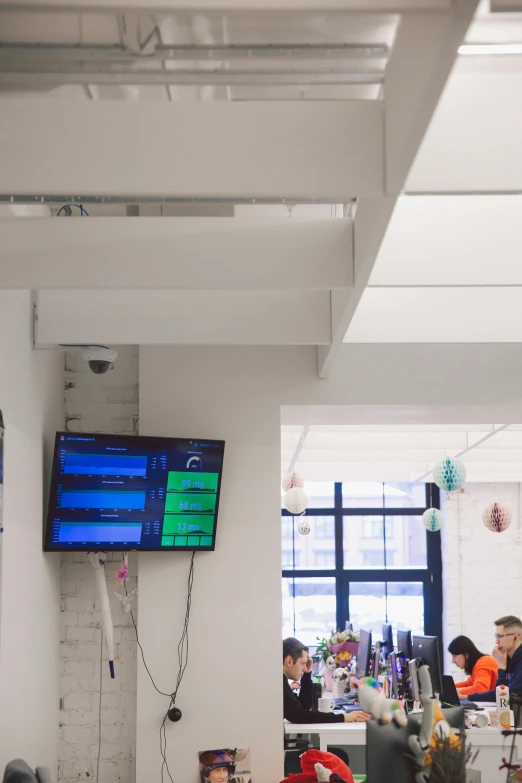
(97, 403)
(482, 571)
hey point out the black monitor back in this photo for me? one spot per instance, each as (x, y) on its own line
(387, 638)
(387, 748)
(427, 648)
(404, 644)
(364, 654)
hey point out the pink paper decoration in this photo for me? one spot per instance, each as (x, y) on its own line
(496, 517)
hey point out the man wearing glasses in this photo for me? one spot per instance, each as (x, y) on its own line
(508, 653)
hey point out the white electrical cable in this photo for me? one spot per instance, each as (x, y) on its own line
(100, 708)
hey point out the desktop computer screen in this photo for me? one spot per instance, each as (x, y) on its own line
(364, 654)
(427, 648)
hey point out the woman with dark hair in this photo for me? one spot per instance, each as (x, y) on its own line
(482, 670)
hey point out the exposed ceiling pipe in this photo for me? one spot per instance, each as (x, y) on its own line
(57, 78)
(163, 51)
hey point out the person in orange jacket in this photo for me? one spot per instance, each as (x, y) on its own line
(482, 670)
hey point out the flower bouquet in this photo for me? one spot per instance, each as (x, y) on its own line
(342, 645)
(337, 651)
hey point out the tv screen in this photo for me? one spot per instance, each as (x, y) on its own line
(121, 492)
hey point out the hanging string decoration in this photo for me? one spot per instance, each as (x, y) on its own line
(304, 527)
(449, 474)
(433, 519)
(496, 517)
(296, 499)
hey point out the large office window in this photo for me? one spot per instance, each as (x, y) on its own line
(368, 559)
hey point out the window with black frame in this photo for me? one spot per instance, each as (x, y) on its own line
(368, 559)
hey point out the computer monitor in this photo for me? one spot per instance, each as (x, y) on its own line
(427, 648)
(364, 654)
(387, 640)
(404, 645)
(387, 749)
(392, 660)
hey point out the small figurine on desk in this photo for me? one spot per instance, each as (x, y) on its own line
(374, 701)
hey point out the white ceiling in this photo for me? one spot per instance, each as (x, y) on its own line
(448, 270)
(266, 126)
(400, 452)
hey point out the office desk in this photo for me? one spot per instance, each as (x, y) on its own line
(490, 743)
(331, 733)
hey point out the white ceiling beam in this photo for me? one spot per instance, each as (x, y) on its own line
(272, 149)
(152, 6)
(431, 42)
(181, 253)
(452, 240)
(182, 317)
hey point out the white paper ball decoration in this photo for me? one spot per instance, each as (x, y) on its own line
(496, 517)
(304, 527)
(292, 480)
(296, 501)
(433, 519)
(449, 474)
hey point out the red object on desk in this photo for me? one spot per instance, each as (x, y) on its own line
(312, 757)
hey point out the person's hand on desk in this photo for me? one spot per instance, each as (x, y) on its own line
(356, 717)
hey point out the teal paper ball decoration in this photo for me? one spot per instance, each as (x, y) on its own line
(433, 519)
(449, 474)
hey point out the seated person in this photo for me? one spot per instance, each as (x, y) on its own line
(297, 666)
(508, 654)
(482, 670)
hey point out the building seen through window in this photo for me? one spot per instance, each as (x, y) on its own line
(367, 559)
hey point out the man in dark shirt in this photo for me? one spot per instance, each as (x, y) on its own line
(508, 654)
(297, 666)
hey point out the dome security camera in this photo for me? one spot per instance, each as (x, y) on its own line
(99, 358)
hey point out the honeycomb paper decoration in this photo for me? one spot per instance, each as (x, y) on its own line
(449, 474)
(292, 480)
(296, 501)
(433, 519)
(304, 527)
(496, 517)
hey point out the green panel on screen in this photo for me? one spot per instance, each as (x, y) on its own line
(180, 540)
(179, 524)
(206, 541)
(193, 541)
(190, 502)
(167, 541)
(192, 482)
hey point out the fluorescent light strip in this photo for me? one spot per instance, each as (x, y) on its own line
(477, 49)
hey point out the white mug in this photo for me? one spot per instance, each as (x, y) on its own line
(324, 705)
(481, 719)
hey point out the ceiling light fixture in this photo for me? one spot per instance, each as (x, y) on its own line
(488, 49)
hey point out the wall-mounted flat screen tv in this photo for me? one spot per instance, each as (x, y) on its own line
(122, 492)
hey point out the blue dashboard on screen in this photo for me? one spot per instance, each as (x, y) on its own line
(120, 492)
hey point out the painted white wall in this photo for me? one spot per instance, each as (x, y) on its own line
(231, 693)
(31, 399)
(97, 403)
(482, 570)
